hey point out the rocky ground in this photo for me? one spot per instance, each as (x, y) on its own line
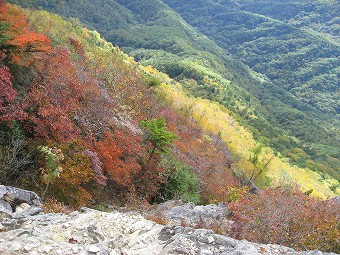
(94, 232)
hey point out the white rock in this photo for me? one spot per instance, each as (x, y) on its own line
(58, 234)
(22, 207)
(206, 252)
(75, 249)
(47, 248)
(15, 247)
(59, 252)
(74, 214)
(94, 248)
(30, 246)
(211, 239)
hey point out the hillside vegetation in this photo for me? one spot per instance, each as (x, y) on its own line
(262, 98)
(83, 124)
(301, 61)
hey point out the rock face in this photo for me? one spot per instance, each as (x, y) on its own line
(24, 196)
(93, 232)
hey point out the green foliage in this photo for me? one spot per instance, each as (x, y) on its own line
(286, 59)
(158, 135)
(181, 182)
(51, 158)
(153, 81)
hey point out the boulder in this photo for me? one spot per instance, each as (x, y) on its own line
(188, 214)
(24, 196)
(16, 205)
(5, 207)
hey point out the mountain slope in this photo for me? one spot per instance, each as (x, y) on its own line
(155, 35)
(303, 63)
(83, 123)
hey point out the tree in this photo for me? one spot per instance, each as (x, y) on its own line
(66, 172)
(10, 109)
(17, 46)
(56, 97)
(119, 154)
(16, 39)
(158, 135)
(261, 164)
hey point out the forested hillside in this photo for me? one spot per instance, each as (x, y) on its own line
(285, 60)
(82, 123)
(303, 62)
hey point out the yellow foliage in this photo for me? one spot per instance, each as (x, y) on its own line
(215, 118)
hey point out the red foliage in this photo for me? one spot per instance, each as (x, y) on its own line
(287, 217)
(9, 108)
(56, 97)
(3, 7)
(119, 154)
(210, 158)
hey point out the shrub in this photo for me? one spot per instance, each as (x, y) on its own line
(51, 205)
(65, 172)
(181, 182)
(287, 217)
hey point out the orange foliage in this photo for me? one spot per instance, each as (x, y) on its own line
(17, 45)
(22, 40)
(119, 154)
(76, 172)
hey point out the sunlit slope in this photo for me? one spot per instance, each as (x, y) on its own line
(215, 118)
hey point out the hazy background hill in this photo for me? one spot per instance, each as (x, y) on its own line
(289, 96)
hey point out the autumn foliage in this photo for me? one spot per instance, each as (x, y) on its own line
(55, 97)
(66, 170)
(20, 40)
(289, 217)
(9, 108)
(119, 154)
(96, 125)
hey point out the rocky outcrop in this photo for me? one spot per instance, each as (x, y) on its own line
(16, 205)
(175, 212)
(12, 199)
(93, 232)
